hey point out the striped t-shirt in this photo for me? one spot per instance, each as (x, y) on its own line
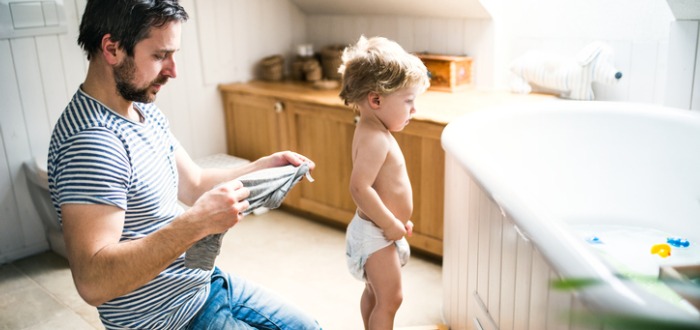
(97, 156)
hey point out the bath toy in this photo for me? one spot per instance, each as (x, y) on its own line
(662, 249)
(594, 240)
(678, 242)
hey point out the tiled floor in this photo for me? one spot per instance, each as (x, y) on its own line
(300, 259)
(38, 293)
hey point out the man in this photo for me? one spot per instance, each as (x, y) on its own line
(116, 174)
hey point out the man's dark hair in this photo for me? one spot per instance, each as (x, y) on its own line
(127, 21)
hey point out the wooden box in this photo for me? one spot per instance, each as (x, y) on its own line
(448, 73)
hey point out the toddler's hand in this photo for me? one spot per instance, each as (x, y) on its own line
(396, 231)
(409, 228)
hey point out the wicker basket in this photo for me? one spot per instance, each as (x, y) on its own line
(271, 68)
(306, 69)
(312, 70)
(331, 60)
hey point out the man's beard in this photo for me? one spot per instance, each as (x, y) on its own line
(124, 73)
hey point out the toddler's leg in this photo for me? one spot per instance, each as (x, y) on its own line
(383, 271)
(367, 303)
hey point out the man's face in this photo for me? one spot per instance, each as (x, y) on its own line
(124, 74)
(139, 78)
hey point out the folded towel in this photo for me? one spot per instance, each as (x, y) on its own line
(268, 188)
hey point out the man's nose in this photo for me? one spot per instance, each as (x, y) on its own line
(170, 68)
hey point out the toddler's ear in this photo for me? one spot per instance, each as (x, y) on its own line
(374, 100)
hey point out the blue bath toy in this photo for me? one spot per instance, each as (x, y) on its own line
(678, 242)
(594, 240)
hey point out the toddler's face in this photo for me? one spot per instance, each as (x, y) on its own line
(396, 109)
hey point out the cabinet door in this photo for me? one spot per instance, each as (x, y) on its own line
(425, 162)
(255, 125)
(324, 134)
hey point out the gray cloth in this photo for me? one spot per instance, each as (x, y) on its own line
(268, 188)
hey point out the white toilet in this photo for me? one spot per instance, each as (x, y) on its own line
(38, 185)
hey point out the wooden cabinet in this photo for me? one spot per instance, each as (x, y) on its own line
(324, 134)
(425, 162)
(255, 125)
(263, 118)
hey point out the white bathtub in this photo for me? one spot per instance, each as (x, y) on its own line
(526, 186)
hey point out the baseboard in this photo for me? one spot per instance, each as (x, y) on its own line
(10, 256)
(425, 327)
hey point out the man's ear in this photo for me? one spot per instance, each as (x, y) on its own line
(110, 50)
(374, 100)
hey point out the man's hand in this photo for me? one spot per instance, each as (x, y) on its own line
(283, 158)
(220, 208)
(103, 267)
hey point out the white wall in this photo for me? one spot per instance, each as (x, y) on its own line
(453, 36)
(637, 30)
(220, 44)
(683, 76)
(39, 74)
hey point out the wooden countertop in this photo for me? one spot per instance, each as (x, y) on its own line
(432, 106)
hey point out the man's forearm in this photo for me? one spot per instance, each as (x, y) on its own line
(211, 177)
(122, 267)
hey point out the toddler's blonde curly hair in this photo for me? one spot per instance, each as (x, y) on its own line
(379, 65)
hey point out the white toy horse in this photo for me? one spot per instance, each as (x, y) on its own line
(570, 78)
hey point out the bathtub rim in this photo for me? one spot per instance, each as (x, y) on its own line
(580, 260)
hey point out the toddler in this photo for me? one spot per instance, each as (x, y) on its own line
(381, 82)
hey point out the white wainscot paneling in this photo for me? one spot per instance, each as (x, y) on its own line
(682, 53)
(643, 74)
(18, 218)
(9, 240)
(493, 275)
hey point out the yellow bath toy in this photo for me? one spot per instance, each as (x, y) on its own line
(663, 250)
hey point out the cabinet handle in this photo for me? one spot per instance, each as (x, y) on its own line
(279, 107)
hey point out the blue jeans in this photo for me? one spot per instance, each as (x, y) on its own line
(235, 303)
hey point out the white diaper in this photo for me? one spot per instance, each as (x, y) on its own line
(362, 239)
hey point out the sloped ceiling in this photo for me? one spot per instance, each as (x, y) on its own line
(685, 9)
(421, 8)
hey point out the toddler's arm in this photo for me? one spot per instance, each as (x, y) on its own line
(369, 158)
